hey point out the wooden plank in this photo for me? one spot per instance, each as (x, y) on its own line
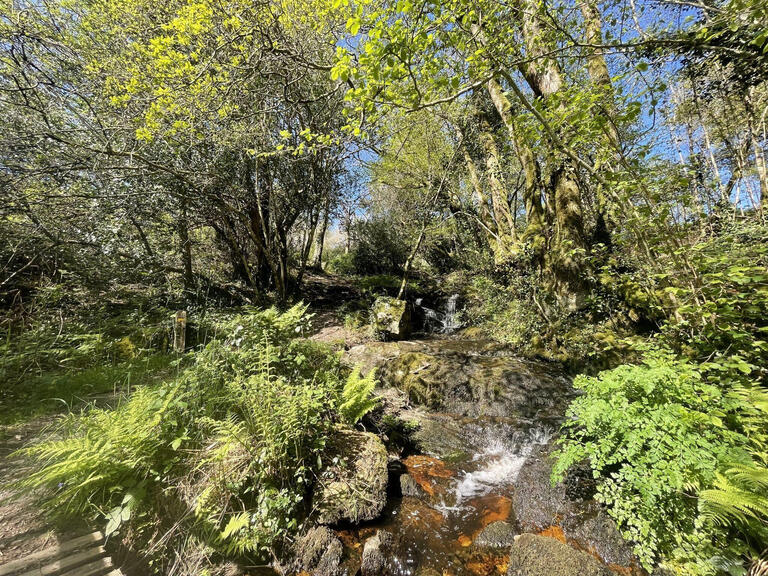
(49, 553)
(100, 566)
(64, 564)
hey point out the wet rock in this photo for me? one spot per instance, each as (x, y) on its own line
(391, 318)
(354, 487)
(598, 531)
(579, 482)
(318, 553)
(496, 535)
(409, 486)
(438, 434)
(538, 506)
(533, 555)
(472, 382)
(376, 552)
(430, 474)
(537, 503)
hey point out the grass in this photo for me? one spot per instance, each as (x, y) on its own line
(58, 390)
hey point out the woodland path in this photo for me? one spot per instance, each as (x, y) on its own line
(31, 543)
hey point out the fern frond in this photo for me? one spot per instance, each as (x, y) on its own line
(357, 396)
(730, 503)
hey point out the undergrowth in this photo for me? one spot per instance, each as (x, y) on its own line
(221, 458)
(678, 441)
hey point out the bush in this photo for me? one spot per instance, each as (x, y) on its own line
(338, 261)
(223, 455)
(659, 438)
(378, 248)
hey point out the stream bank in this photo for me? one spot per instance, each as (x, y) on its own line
(469, 430)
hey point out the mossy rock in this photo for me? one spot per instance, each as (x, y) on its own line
(353, 486)
(498, 534)
(391, 318)
(417, 374)
(318, 553)
(533, 555)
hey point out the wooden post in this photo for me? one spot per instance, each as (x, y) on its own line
(180, 331)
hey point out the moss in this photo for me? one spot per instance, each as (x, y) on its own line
(533, 555)
(410, 373)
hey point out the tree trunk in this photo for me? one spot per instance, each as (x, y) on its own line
(483, 214)
(317, 259)
(505, 223)
(186, 247)
(754, 137)
(544, 76)
(534, 211)
(307, 246)
(410, 259)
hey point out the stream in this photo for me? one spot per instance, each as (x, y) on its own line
(462, 440)
(488, 412)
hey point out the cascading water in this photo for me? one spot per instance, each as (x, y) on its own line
(497, 461)
(495, 412)
(441, 322)
(450, 321)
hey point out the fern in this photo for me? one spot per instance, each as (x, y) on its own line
(739, 499)
(356, 397)
(236, 436)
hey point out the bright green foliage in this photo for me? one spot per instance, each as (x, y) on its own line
(739, 498)
(106, 455)
(356, 397)
(225, 453)
(723, 317)
(656, 436)
(88, 346)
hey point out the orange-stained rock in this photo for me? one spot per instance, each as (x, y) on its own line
(426, 472)
(493, 508)
(464, 540)
(416, 515)
(554, 532)
(353, 539)
(488, 565)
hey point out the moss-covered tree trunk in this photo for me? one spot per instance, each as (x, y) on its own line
(506, 236)
(569, 246)
(534, 210)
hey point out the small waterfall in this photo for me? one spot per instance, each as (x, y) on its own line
(444, 322)
(450, 322)
(497, 462)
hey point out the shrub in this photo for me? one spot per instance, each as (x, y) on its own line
(340, 262)
(356, 399)
(378, 248)
(659, 438)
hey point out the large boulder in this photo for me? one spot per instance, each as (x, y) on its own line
(391, 318)
(533, 555)
(567, 505)
(318, 553)
(465, 381)
(376, 553)
(353, 486)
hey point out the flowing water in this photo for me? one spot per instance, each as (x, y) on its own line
(497, 410)
(444, 321)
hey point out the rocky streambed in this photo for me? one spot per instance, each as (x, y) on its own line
(466, 435)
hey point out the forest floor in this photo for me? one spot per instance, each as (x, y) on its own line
(327, 295)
